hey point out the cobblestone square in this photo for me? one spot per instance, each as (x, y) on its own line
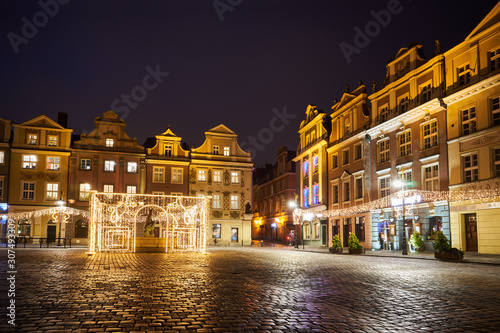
(248, 290)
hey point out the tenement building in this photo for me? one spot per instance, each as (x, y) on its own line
(5, 131)
(221, 169)
(274, 200)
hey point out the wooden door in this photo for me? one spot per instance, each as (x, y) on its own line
(471, 232)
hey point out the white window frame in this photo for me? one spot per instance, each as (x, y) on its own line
(384, 186)
(178, 194)
(404, 143)
(470, 167)
(30, 161)
(468, 120)
(177, 173)
(216, 201)
(429, 134)
(158, 193)
(109, 165)
(131, 189)
(430, 183)
(169, 150)
(2, 157)
(235, 202)
(110, 142)
(158, 174)
(315, 194)
(108, 188)
(84, 192)
(53, 163)
(51, 191)
(407, 178)
(201, 175)
(384, 150)
(217, 175)
(227, 151)
(28, 187)
(235, 177)
(32, 139)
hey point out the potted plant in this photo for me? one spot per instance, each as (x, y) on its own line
(354, 246)
(336, 245)
(443, 250)
(417, 241)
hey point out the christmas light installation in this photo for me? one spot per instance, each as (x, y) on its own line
(118, 219)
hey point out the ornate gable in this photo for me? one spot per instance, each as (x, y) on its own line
(42, 121)
(491, 19)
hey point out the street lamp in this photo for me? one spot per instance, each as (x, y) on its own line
(61, 203)
(399, 182)
(292, 204)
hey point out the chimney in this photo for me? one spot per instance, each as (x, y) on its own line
(62, 119)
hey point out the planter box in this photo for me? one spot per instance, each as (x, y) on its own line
(356, 251)
(448, 256)
(335, 249)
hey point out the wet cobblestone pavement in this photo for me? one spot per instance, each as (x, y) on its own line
(248, 290)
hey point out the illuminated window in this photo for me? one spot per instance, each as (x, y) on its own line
(383, 151)
(216, 150)
(158, 174)
(306, 197)
(216, 230)
(158, 193)
(358, 153)
(217, 176)
(177, 175)
(85, 163)
(235, 177)
(29, 161)
(28, 190)
(177, 194)
(430, 134)
(52, 191)
(495, 110)
(108, 188)
(131, 189)
(307, 230)
(235, 198)
(53, 163)
(110, 143)
(2, 157)
(463, 74)
(425, 93)
(216, 201)
(306, 168)
(431, 178)
(315, 194)
(132, 167)
(53, 140)
(84, 192)
(404, 104)
(315, 163)
(468, 117)
(335, 161)
(407, 180)
(335, 194)
(32, 139)
(226, 151)
(384, 186)
(202, 175)
(404, 140)
(496, 158)
(315, 228)
(109, 166)
(471, 171)
(345, 157)
(494, 59)
(168, 150)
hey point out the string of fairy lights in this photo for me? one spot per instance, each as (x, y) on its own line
(411, 198)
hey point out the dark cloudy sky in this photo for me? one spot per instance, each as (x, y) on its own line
(263, 55)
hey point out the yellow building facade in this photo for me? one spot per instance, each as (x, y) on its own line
(473, 125)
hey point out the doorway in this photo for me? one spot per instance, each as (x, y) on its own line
(347, 230)
(471, 232)
(324, 234)
(51, 233)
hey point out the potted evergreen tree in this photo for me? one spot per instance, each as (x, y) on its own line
(417, 241)
(443, 249)
(336, 245)
(354, 246)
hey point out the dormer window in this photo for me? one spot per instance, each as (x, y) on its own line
(384, 114)
(463, 75)
(168, 149)
(226, 151)
(32, 139)
(216, 150)
(110, 143)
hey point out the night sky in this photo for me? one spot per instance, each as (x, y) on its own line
(264, 55)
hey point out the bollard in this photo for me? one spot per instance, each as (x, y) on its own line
(261, 243)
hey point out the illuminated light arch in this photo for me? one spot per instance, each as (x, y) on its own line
(116, 218)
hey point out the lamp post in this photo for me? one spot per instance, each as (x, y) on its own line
(293, 205)
(400, 182)
(61, 203)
